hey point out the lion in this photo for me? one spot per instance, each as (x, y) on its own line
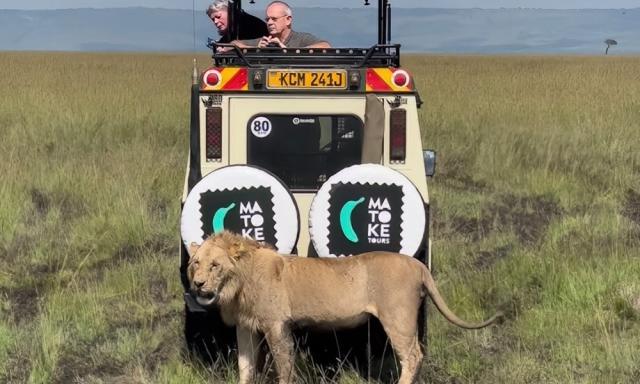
(262, 292)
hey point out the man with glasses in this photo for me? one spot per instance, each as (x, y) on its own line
(279, 18)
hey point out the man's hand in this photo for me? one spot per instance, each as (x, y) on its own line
(276, 40)
(264, 41)
(239, 44)
(268, 41)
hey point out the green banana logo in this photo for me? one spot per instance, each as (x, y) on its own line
(345, 219)
(218, 218)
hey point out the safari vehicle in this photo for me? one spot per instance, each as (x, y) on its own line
(321, 131)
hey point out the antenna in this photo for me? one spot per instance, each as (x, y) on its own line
(194, 73)
(193, 8)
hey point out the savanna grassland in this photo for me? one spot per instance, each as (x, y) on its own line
(536, 211)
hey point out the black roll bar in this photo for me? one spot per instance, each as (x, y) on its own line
(235, 7)
(384, 22)
(388, 8)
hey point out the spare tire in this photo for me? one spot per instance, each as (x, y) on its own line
(367, 207)
(243, 199)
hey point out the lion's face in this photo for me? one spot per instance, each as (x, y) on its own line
(210, 270)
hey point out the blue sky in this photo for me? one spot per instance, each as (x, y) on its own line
(200, 4)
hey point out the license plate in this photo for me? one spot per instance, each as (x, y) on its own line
(303, 79)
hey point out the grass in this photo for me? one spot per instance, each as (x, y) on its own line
(535, 208)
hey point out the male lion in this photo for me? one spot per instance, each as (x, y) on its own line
(261, 291)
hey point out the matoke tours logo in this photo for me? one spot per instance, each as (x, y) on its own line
(364, 218)
(247, 211)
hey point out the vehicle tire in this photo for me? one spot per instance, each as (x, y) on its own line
(207, 338)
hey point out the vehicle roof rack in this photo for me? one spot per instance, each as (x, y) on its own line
(379, 55)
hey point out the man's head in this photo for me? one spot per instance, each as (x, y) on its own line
(278, 18)
(218, 12)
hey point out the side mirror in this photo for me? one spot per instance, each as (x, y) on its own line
(429, 162)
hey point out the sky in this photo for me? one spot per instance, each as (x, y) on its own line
(201, 4)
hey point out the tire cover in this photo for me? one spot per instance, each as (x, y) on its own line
(244, 199)
(367, 207)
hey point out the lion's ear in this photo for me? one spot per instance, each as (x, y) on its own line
(237, 248)
(236, 245)
(193, 248)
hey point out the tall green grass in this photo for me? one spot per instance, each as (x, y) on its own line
(536, 211)
(537, 158)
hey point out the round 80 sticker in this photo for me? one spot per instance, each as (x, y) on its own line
(261, 127)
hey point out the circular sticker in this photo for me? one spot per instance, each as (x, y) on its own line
(367, 207)
(243, 199)
(261, 127)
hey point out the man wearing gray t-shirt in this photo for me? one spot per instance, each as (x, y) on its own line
(279, 19)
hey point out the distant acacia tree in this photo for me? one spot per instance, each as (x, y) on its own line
(609, 43)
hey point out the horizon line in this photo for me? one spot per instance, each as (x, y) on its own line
(361, 7)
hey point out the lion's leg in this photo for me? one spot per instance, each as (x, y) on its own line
(410, 361)
(401, 328)
(281, 346)
(248, 344)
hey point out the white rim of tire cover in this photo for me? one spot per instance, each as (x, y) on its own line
(366, 183)
(233, 192)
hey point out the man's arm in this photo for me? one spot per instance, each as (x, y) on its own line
(304, 40)
(237, 43)
(246, 43)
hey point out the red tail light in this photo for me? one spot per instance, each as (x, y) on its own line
(212, 77)
(214, 134)
(400, 78)
(388, 80)
(397, 135)
(225, 79)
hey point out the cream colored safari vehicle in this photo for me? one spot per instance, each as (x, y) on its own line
(314, 129)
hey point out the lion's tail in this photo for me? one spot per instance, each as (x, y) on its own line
(428, 282)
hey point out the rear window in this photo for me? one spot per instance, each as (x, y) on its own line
(304, 150)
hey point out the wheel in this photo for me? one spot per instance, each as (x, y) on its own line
(207, 337)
